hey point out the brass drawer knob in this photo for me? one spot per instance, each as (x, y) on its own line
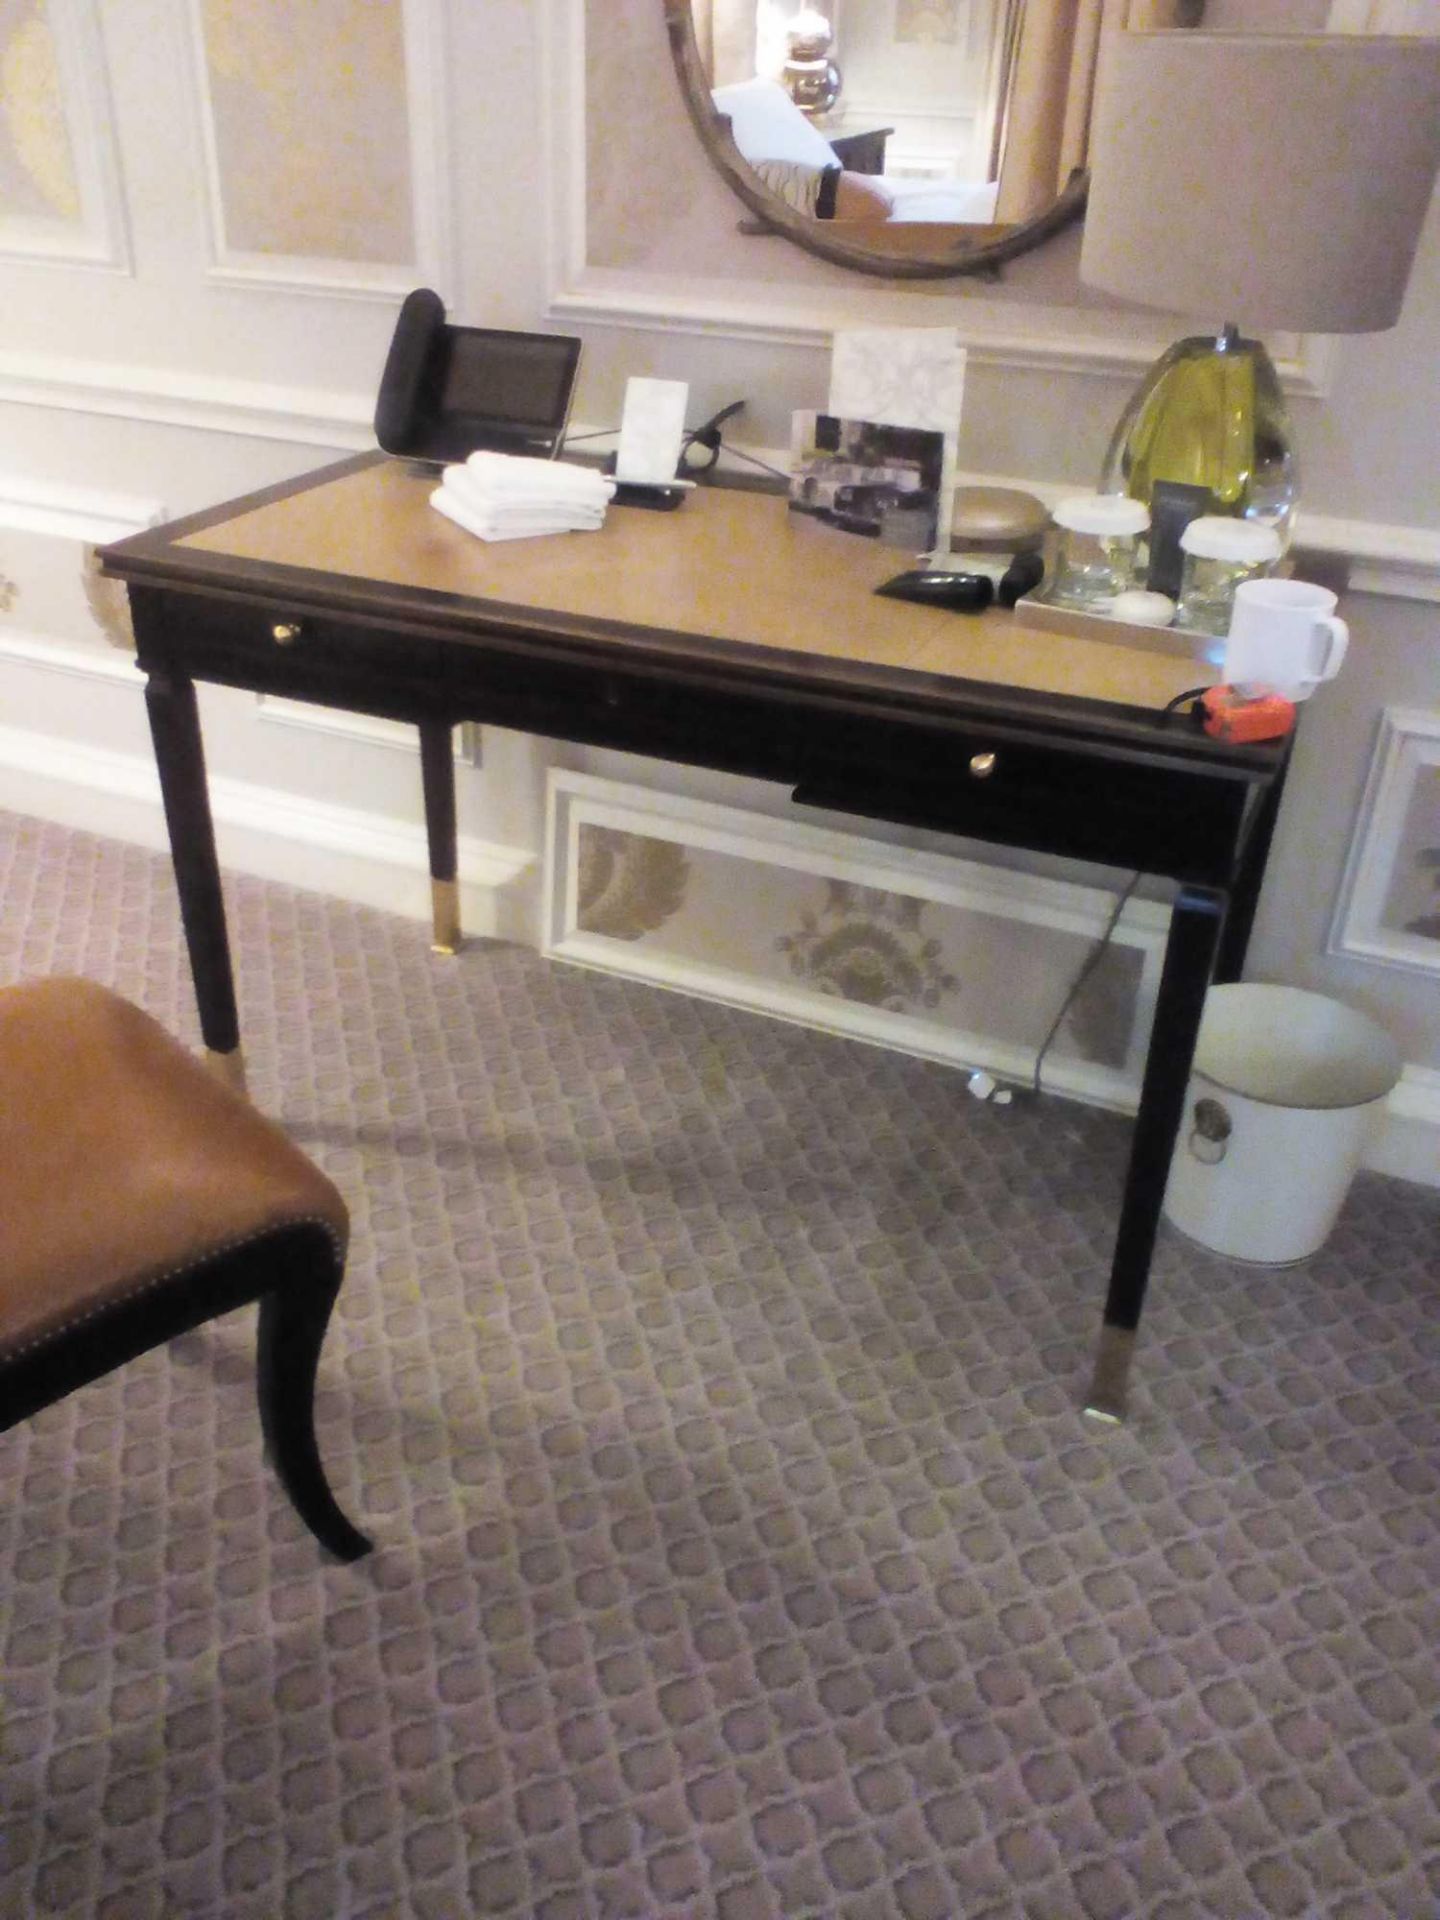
(285, 632)
(982, 765)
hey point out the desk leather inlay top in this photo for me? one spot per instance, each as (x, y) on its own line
(731, 566)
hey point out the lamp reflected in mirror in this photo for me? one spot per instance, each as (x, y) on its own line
(809, 75)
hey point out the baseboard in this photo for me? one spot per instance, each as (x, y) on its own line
(1409, 1144)
(345, 852)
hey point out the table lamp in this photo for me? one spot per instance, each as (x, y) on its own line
(1268, 180)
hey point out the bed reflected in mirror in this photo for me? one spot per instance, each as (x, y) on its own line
(902, 137)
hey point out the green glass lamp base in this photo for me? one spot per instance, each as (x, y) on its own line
(1210, 414)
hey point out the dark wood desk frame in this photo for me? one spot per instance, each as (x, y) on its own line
(1082, 778)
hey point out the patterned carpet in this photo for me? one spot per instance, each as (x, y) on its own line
(711, 1387)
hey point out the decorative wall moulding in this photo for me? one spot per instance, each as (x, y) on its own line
(1409, 1146)
(56, 610)
(1388, 909)
(1402, 562)
(579, 294)
(367, 729)
(60, 179)
(306, 416)
(53, 655)
(936, 955)
(326, 145)
(73, 513)
(346, 852)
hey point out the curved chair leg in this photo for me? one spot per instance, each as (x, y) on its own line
(293, 1319)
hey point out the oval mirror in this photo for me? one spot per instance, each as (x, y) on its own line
(909, 138)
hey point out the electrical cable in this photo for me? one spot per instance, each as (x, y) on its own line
(1190, 693)
(1092, 960)
(708, 438)
(738, 453)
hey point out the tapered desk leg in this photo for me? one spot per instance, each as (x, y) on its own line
(1189, 960)
(180, 757)
(437, 771)
(1245, 894)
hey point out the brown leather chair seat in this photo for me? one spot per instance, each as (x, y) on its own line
(140, 1197)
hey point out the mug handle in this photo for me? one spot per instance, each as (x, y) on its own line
(1339, 641)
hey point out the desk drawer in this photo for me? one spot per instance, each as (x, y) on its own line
(851, 750)
(992, 782)
(284, 650)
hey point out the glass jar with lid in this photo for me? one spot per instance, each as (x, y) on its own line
(1097, 549)
(1219, 552)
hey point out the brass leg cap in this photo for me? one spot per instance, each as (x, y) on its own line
(1109, 1388)
(445, 916)
(229, 1067)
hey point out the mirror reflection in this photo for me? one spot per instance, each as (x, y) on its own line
(949, 131)
(910, 118)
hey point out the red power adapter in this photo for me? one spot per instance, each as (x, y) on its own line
(1230, 716)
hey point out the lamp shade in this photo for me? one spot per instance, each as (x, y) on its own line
(1275, 180)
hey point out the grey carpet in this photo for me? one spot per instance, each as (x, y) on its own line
(711, 1388)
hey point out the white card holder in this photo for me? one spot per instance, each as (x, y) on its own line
(651, 431)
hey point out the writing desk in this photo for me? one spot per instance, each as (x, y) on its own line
(732, 634)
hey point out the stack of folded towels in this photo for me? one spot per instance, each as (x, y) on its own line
(508, 496)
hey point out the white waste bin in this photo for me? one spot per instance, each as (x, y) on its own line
(1286, 1089)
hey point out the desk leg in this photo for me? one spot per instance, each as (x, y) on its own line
(180, 757)
(437, 771)
(1189, 959)
(1245, 895)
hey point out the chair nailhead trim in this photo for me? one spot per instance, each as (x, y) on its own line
(170, 1273)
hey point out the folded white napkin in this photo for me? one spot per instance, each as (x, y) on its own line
(511, 525)
(515, 476)
(505, 496)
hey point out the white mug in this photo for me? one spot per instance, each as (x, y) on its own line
(1284, 638)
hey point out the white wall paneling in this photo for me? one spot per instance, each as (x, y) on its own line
(1409, 1146)
(64, 147)
(406, 115)
(73, 512)
(54, 607)
(1389, 904)
(205, 403)
(365, 728)
(348, 852)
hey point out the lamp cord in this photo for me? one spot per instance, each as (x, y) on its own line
(706, 437)
(1092, 960)
(738, 454)
(1097, 952)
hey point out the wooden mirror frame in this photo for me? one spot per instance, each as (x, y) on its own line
(904, 259)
